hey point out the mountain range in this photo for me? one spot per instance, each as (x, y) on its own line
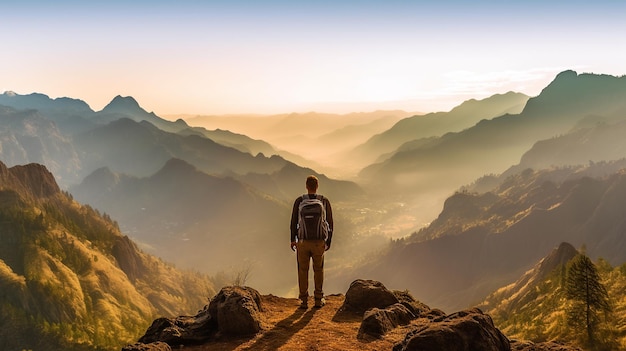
(437, 124)
(491, 145)
(321, 139)
(26, 136)
(78, 133)
(488, 239)
(435, 167)
(190, 217)
(172, 188)
(500, 183)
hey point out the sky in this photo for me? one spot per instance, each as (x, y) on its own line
(269, 57)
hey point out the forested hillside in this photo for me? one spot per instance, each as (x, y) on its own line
(544, 304)
(69, 279)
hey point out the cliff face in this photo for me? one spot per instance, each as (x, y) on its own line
(69, 279)
(32, 180)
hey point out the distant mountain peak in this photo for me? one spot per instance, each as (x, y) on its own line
(518, 293)
(563, 78)
(571, 94)
(175, 167)
(102, 178)
(10, 93)
(566, 74)
(127, 106)
(178, 164)
(123, 104)
(559, 256)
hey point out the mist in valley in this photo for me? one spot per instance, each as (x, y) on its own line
(403, 191)
(382, 211)
(214, 193)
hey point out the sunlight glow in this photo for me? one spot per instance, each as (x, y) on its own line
(273, 57)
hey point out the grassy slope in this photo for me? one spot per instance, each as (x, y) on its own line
(63, 288)
(542, 317)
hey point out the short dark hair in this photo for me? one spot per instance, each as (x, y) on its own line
(311, 182)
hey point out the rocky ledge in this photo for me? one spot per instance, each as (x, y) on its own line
(237, 311)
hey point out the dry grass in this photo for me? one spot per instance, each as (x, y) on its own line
(286, 327)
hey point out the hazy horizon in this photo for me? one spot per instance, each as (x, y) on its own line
(273, 57)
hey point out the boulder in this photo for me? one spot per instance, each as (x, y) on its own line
(377, 322)
(469, 330)
(154, 346)
(365, 294)
(180, 330)
(236, 310)
(418, 308)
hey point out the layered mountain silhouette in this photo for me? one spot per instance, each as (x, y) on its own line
(423, 172)
(437, 124)
(305, 126)
(240, 142)
(140, 149)
(70, 115)
(486, 240)
(320, 139)
(76, 121)
(181, 194)
(602, 141)
(532, 173)
(491, 146)
(127, 107)
(26, 137)
(69, 279)
(197, 220)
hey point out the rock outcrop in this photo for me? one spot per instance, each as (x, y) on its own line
(235, 310)
(382, 309)
(32, 180)
(180, 330)
(365, 294)
(469, 330)
(377, 322)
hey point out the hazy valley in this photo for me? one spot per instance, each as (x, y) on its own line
(112, 218)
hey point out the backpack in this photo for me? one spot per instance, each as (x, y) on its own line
(312, 224)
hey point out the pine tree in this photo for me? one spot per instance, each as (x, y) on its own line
(589, 300)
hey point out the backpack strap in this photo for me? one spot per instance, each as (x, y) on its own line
(317, 196)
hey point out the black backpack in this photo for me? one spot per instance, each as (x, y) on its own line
(312, 224)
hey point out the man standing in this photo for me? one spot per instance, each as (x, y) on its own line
(311, 233)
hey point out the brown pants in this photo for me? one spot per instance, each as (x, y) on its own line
(307, 250)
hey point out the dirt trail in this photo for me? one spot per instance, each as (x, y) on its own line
(286, 327)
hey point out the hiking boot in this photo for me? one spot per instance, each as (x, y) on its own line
(304, 305)
(320, 302)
